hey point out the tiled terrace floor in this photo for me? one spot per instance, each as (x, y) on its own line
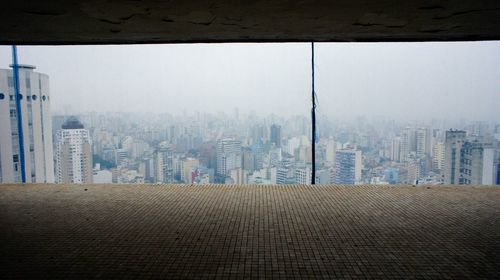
(160, 231)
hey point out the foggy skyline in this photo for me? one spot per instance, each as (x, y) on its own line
(398, 80)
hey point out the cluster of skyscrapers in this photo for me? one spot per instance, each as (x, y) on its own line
(203, 148)
(437, 156)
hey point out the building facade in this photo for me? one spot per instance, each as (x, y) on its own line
(454, 141)
(479, 164)
(163, 162)
(229, 156)
(276, 135)
(303, 175)
(73, 153)
(348, 167)
(470, 161)
(36, 125)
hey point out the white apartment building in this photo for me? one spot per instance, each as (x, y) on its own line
(73, 153)
(229, 156)
(36, 123)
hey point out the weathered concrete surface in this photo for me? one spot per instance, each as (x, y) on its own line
(128, 231)
(149, 21)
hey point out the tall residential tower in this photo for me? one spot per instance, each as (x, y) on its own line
(454, 141)
(73, 153)
(348, 167)
(229, 154)
(36, 124)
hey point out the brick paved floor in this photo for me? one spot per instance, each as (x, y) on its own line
(159, 231)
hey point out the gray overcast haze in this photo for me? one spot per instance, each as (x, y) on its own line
(399, 80)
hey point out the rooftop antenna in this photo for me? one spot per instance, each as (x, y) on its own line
(313, 119)
(15, 70)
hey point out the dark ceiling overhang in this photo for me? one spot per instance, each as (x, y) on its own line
(188, 21)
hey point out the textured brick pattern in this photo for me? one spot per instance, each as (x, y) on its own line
(176, 231)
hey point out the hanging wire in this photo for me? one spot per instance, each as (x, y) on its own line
(313, 119)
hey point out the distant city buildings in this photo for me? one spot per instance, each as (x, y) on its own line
(36, 123)
(73, 153)
(233, 148)
(206, 148)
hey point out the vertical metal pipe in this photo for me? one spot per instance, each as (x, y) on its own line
(15, 70)
(313, 119)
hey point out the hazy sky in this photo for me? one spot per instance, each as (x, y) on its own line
(412, 80)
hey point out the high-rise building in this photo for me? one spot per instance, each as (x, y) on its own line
(146, 167)
(248, 160)
(423, 142)
(275, 157)
(276, 135)
(438, 157)
(330, 152)
(347, 166)
(258, 153)
(285, 172)
(454, 141)
(408, 143)
(121, 157)
(163, 163)
(479, 164)
(228, 156)
(396, 149)
(73, 153)
(258, 133)
(36, 123)
(285, 175)
(469, 162)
